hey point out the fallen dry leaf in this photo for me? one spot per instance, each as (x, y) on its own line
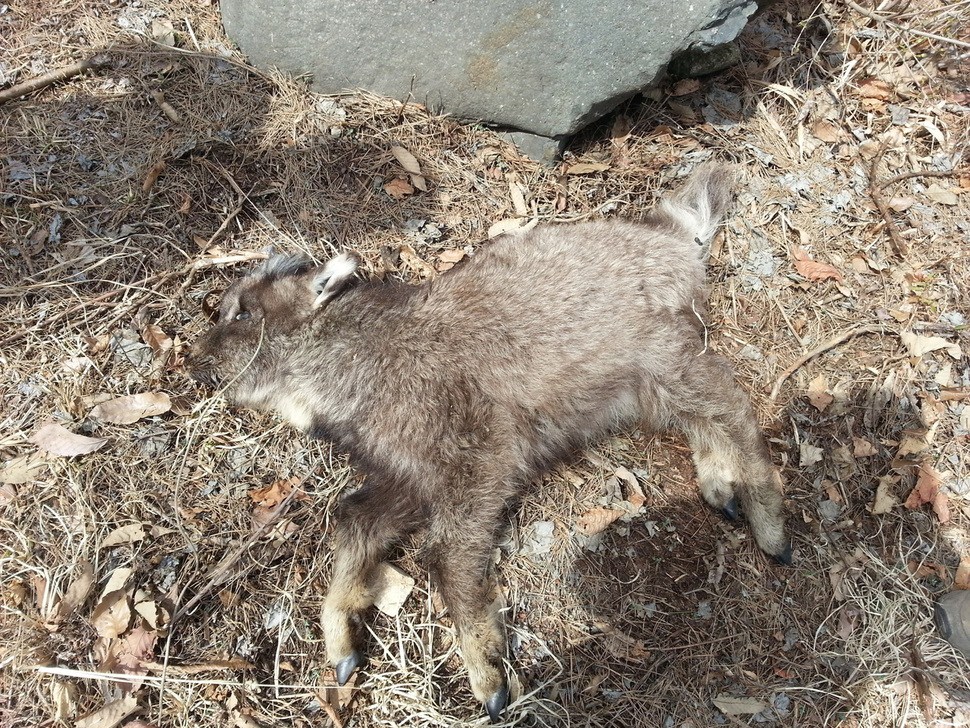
(863, 448)
(117, 580)
(596, 520)
(451, 256)
(848, 568)
(808, 455)
(901, 204)
(391, 588)
(927, 490)
(149, 611)
(587, 168)
(77, 364)
(818, 393)
(125, 534)
(157, 339)
(634, 492)
(111, 714)
(57, 440)
(335, 698)
(685, 86)
(920, 345)
(812, 269)
(621, 130)
(23, 469)
(517, 193)
(152, 176)
(885, 499)
(731, 705)
(921, 570)
(848, 619)
(271, 495)
(163, 31)
(76, 593)
(832, 491)
(132, 653)
(262, 517)
(398, 188)
(416, 263)
(934, 132)
(407, 160)
(826, 131)
(64, 696)
(961, 579)
(132, 407)
(448, 258)
(873, 88)
(511, 225)
(684, 112)
(912, 444)
(112, 615)
(624, 647)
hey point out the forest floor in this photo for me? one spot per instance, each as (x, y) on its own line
(163, 556)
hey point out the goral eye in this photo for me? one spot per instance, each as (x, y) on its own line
(243, 316)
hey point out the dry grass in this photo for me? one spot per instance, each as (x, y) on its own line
(673, 608)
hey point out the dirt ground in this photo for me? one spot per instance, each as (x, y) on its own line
(144, 578)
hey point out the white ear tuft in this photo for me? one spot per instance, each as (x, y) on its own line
(328, 281)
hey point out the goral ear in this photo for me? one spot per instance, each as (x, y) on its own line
(329, 280)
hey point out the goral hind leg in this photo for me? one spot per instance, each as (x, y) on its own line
(732, 459)
(461, 554)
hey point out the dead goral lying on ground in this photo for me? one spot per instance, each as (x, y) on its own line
(452, 395)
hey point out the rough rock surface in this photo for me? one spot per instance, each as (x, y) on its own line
(548, 68)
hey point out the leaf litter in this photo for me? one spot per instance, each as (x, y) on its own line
(813, 157)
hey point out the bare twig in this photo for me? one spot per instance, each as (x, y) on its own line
(218, 574)
(240, 257)
(830, 344)
(872, 15)
(51, 77)
(918, 173)
(918, 672)
(899, 245)
(325, 704)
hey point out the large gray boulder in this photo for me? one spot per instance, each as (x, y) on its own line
(544, 67)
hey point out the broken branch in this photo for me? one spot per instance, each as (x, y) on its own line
(899, 245)
(909, 175)
(220, 572)
(830, 344)
(51, 77)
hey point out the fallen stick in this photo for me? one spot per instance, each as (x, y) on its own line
(899, 245)
(888, 19)
(51, 77)
(220, 573)
(919, 173)
(830, 344)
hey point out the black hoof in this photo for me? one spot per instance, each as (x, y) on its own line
(496, 704)
(785, 557)
(730, 509)
(942, 621)
(345, 668)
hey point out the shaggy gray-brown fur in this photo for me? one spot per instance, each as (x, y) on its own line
(452, 395)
